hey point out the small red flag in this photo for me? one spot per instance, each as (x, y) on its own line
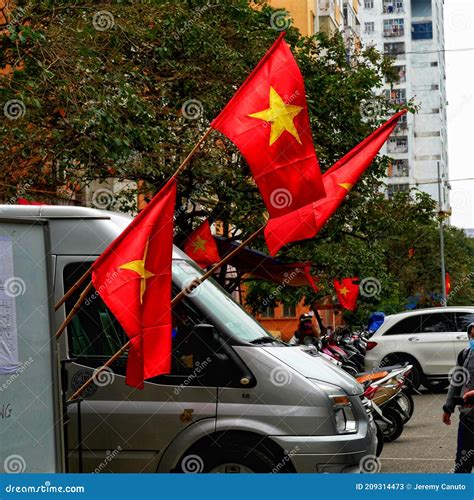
(447, 283)
(268, 121)
(24, 201)
(347, 292)
(201, 246)
(309, 277)
(133, 277)
(338, 181)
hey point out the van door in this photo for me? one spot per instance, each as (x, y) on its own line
(125, 429)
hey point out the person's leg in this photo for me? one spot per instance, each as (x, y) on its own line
(465, 450)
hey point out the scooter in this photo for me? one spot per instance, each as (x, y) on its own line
(385, 389)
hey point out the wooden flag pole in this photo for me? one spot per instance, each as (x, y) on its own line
(74, 310)
(175, 301)
(81, 280)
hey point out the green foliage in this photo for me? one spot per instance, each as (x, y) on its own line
(124, 89)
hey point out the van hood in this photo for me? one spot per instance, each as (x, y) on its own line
(311, 365)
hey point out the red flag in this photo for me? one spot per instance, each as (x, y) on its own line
(309, 277)
(24, 201)
(347, 292)
(133, 277)
(201, 246)
(338, 181)
(447, 283)
(268, 121)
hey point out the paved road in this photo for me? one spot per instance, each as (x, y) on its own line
(426, 445)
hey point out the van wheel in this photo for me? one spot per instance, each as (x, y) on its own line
(232, 457)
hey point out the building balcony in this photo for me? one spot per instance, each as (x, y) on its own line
(393, 32)
(397, 149)
(393, 10)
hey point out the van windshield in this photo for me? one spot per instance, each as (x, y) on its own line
(216, 304)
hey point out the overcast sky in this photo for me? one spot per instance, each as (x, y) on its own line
(459, 34)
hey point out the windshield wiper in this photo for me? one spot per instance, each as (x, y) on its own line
(264, 340)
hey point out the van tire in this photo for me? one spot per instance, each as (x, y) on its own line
(244, 454)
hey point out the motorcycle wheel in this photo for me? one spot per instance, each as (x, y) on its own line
(394, 431)
(408, 405)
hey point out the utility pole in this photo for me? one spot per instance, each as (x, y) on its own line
(441, 241)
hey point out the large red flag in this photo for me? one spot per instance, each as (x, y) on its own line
(347, 292)
(133, 277)
(268, 120)
(201, 246)
(338, 181)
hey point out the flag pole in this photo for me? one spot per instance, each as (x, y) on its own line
(175, 301)
(81, 280)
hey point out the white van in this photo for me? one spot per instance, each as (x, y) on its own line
(237, 399)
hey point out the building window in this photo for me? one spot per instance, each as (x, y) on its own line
(402, 73)
(289, 311)
(393, 7)
(399, 168)
(396, 96)
(369, 4)
(397, 145)
(393, 27)
(268, 312)
(394, 49)
(369, 28)
(397, 188)
(422, 31)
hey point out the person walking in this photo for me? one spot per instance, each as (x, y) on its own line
(461, 392)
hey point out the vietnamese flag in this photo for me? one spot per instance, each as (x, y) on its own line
(347, 292)
(447, 283)
(268, 121)
(201, 246)
(133, 277)
(338, 181)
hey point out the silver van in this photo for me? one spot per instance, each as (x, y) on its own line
(237, 400)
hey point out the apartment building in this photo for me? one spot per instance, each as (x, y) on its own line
(412, 33)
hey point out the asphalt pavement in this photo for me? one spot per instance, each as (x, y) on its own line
(426, 445)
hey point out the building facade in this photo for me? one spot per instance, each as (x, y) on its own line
(412, 33)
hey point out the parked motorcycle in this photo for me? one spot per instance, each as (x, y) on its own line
(392, 406)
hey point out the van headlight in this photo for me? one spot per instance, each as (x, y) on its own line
(346, 421)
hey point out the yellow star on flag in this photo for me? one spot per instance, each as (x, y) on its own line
(199, 244)
(346, 185)
(138, 266)
(344, 291)
(281, 117)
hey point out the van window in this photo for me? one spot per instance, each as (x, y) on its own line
(405, 326)
(463, 320)
(438, 323)
(95, 335)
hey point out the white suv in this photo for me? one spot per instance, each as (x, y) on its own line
(430, 339)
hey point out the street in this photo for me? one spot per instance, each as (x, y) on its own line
(426, 445)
